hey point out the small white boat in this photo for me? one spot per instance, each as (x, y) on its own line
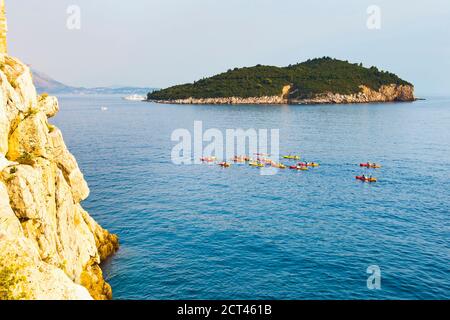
(104, 108)
(135, 97)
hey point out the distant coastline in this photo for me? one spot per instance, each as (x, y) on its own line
(46, 84)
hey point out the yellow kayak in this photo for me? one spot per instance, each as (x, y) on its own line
(256, 164)
(292, 157)
(370, 165)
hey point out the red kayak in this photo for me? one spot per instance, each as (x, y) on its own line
(366, 179)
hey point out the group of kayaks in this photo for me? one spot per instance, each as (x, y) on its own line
(262, 161)
(370, 178)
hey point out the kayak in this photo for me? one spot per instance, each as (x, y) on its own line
(269, 162)
(208, 159)
(371, 166)
(309, 164)
(225, 164)
(292, 157)
(366, 179)
(279, 166)
(256, 164)
(302, 168)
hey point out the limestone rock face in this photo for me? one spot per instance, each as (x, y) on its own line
(9, 224)
(388, 93)
(50, 248)
(230, 100)
(3, 28)
(49, 105)
(23, 275)
(69, 167)
(30, 138)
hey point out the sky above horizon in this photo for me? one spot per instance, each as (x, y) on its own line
(159, 43)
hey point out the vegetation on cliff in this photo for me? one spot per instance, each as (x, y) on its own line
(307, 79)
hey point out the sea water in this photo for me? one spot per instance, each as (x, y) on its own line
(203, 232)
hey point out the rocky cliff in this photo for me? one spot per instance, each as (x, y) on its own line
(386, 93)
(50, 248)
(229, 100)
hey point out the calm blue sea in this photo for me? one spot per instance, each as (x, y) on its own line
(202, 232)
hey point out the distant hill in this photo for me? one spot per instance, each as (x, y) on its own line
(45, 83)
(297, 82)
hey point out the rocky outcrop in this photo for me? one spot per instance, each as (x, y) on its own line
(50, 248)
(3, 28)
(391, 93)
(230, 100)
(388, 93)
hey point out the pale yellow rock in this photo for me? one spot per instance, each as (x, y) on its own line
(42, 200)
(4, 126)
(9, 224)
(19, 77)
(25, 191)
(3, 29)
(66, 161)
(30, 139)
(5, 162)
(387, 93)
(50, 248)
(106, 242)
(23, 275)
(48, 104)
(76, 242)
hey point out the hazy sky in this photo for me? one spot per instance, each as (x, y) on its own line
(159, 43)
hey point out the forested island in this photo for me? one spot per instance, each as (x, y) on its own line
(322, 80)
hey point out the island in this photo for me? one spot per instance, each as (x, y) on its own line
(316, 81)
